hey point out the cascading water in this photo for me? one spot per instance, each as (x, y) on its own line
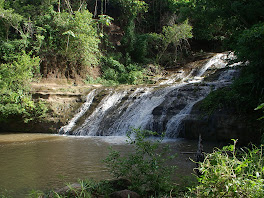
(159, 108)
(94, 121)
(82, 111)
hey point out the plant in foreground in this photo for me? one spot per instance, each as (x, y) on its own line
(145, 167)
(83, 189)
(231, 172)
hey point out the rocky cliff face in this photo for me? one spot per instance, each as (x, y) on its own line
(63, 100)
(222, 126)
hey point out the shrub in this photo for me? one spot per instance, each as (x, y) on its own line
(145, 167)
(229, 172)
(117, 73)
(15, 100)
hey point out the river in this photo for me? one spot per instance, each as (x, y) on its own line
(45, 162)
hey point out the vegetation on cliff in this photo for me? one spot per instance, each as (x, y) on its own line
(123, 38)
(16, 102)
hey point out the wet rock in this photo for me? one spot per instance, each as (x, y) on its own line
(221, 126)
(119, 184)
(124, 194)
(158, 110)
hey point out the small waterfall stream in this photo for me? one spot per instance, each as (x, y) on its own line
(160, 108)
(82, 111)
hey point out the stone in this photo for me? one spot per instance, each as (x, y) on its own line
(124, 194)
(221, 126)
(119, 184)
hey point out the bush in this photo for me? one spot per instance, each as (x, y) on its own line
(17, 74)
(145, 167)
(15, 100)
(117, 73)
(229, 172)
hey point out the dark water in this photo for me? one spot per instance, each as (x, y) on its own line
(44, 162)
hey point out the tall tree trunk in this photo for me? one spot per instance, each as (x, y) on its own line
(59, 3)
(105, 7)
(102, 7)
(95, 8)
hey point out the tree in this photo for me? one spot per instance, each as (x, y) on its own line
(15, 101)
(177, 35)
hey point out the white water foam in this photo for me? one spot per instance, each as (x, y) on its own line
(92, 123)
(82, 111)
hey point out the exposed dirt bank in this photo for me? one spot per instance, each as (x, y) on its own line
(63, 99)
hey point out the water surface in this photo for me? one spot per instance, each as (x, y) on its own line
(44, 162)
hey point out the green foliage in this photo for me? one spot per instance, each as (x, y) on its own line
(136, 45)
(36, 194)
(18, 74)
(5, 193)
(11, 18)
(142, 47)
(86, 188)
(154, 47)
(215, 20)
(80, 43)
(105, 19)
(145, 167)
(249, 46)
(231, 173)
(132, 8)
(16, 102)
(64, 37)
(261, 106)
(246, 91)
(117, 72)
(177, 36)
(20, 106)
(226, 98)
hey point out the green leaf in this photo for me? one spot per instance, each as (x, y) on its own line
(259, 107)
(69, 32)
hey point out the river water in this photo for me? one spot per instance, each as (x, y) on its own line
(45, 162)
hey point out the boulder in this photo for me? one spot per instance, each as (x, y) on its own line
(119, 184)
(221, 126)
(124, 194)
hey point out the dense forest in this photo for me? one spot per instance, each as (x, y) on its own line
(121, 42)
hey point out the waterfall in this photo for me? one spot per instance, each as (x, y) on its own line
(89, 99)
(93, 122)
(160, 108)
(217, 61)
(172, 127)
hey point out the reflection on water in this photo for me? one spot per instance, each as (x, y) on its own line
(44, 162)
